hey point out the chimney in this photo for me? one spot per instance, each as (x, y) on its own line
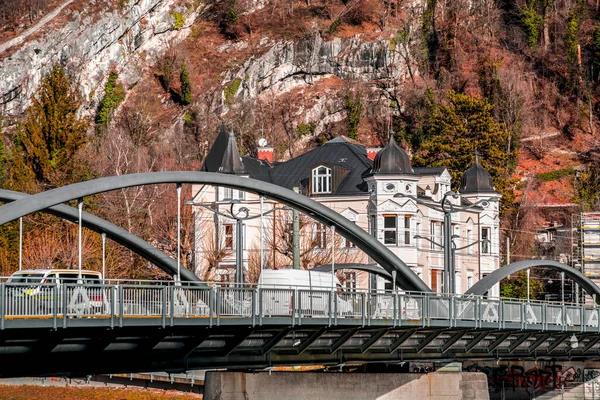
(372, 152)
(265, 152)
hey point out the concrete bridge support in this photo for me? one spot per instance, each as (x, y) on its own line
(345, 386)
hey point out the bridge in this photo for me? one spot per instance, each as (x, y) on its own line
(92, 329)
(120, 327)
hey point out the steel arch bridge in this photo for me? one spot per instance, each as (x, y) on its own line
(405, 277)
(485, 284)
(113, 232)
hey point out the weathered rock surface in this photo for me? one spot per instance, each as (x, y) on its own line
(125, 40)
(289, 64)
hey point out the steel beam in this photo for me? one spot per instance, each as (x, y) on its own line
(588, 346)
(306, 342)
(557, 342)
(451, 340)
(192, 344)
(513, 346)
(425, 341)
(478, 338)
(404, 336)
(237, 339)
(277, 337)
(538, 342)
(498, 341)
(341, 340)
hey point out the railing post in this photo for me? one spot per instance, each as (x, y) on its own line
(330, 307)
(163, 307)
(564, 317)
(426, 314)
(260, 306)
(253, 310)
(395, 308)
(363, 308)
(121, 305)
(218, 304)
(335, 309)
(401, 307)
(2, 304)
(54, 305)
(451, 311)
(112, 306)
(65, 292)
(522, 311)
(171, 305)
(582, 320)
(500, 314)
(294, 306)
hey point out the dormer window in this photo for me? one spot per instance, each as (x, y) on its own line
(321, 180)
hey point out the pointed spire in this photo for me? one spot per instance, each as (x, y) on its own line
(224, 156)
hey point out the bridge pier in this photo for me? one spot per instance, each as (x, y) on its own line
(223, 385)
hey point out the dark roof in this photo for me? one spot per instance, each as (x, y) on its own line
(224, 156)
(476, 180)
(257, 169)
(336, 153)
(391, 160)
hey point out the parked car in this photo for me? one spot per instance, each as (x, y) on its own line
(33, 292)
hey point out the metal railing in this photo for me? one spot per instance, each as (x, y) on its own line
(55, 300)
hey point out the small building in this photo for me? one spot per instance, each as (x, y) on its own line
(374, 188)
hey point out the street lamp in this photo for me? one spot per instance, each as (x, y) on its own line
(240, 215)
(448, 244)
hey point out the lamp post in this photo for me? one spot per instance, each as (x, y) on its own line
(240, 215)
(448, 244)
(453, 247)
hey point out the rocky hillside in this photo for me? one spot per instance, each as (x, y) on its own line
(301, 72)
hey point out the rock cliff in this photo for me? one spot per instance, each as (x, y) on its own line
(90, 45)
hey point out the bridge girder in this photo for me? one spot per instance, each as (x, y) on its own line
(485, 284)
(405, 277)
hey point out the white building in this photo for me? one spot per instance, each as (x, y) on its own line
(375, 189)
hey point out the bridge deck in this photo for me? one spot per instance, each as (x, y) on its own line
(77, 329)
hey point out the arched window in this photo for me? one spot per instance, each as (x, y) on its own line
(321, 180)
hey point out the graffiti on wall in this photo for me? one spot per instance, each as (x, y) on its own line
(515, 376)
(592, 383)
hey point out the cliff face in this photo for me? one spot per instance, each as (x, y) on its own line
(90, 45)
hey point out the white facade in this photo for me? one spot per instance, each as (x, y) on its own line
(393, 209)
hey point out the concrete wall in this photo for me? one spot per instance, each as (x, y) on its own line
(344, 386)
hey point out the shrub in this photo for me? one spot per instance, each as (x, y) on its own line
(114, 94)
(231, 89)
(532, 22)
(305, 129)
(555, 175)
(354, 110)
(179, 20)
(186, 86)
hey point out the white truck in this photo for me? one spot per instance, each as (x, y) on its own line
(312, 291)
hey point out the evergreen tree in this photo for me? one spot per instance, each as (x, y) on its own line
(186, 87)
(114, 94)
(454, 129)
(47, 141)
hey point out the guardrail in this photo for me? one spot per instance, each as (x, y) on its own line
(22, 300)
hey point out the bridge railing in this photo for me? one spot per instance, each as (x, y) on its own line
(24, 300)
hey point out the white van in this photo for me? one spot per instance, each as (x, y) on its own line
(36, 287)
(313, 291)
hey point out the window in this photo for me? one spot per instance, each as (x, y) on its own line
(437, 277)
(320, 235)
(389, 229)
(437, 235)
(485, 238)
(407, 229)
(321, 180)
(350, 281)
(226, 193)
(228, 229)
(469, 280)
